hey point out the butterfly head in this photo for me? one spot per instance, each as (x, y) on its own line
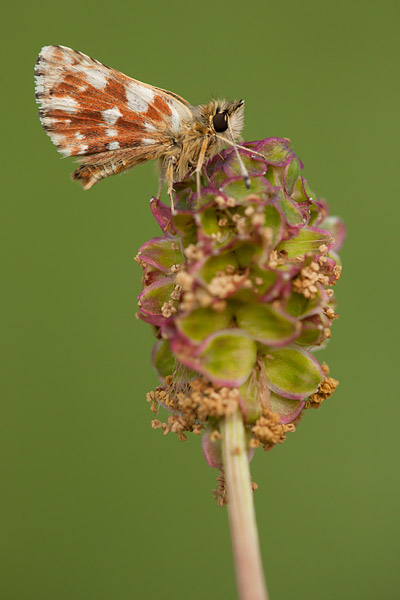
(228, 115)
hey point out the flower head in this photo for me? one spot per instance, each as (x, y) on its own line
(239, 290)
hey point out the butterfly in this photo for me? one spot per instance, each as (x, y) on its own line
(114, 122)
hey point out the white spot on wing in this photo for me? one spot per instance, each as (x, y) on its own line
(51, 54)
(94, 75)
(59, 141)
(175, 118)
(148, 141)
(49, 121)
(112, 146)
(57, 138)
(47, 52)
(79, 136)
(149, 127)
(111, 115)
(111, 132)
(65, 103)
(138, 96)
(39, 84)
(83, 149)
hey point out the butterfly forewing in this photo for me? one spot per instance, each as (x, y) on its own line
(88, 108)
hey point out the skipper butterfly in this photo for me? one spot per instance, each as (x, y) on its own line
(115, 123)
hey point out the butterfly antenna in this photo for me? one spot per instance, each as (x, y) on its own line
(251, 150)
(243, 169)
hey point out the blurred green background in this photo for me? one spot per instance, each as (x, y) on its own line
(94, 504)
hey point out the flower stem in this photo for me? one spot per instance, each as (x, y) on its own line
(242, 518)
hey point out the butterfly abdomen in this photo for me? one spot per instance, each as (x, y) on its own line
(86, 176)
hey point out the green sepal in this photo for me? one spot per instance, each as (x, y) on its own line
(201, 322)
(244, 254)
(228, 357)
(290, 209)
(276, 151)
(186, 226)
(273, 220)
(311, 335)
(308, 240)
(161, 253)
(238, 190)
(218, 178)
(299, 306)
(274, 175)
(254, 167)
(266, 324)
(286, 409)
(217, 263)
(292, 171)
(293, 372)
(268, 277)
(298, 191)
(251, 401)
(206, 197)
(163, 359)
(208, 221)
(154, 296)
(182, 194)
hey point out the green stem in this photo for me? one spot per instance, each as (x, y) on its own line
(242, 518)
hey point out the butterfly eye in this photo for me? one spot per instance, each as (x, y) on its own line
(220, 122)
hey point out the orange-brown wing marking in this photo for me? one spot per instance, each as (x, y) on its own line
(88, 108)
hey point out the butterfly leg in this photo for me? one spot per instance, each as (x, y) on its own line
(170, 181)
(160, 184)
(200, 162)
